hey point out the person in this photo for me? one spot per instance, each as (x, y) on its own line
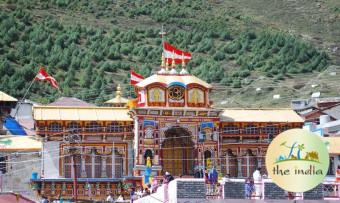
(109, 198)
(248, 188)
(132, 195)
(206, 177)
(197, 173)
(226, 178)
(44, 199)
(168, 177)
(258, 183)
(120, 198)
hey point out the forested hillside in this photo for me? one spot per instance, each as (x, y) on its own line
(89, 46)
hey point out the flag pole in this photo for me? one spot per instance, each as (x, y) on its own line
(24, 97)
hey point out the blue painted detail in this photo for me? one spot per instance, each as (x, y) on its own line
(14, 127)
(207, 125)
(177, 83)
(34, 176)
(149, 122)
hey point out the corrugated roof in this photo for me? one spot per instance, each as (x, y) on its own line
(20, 143)
(68, 113)
(333, 111)
(6, 97)
(168, 79)
(333, 144)
(69, 101)
(260, 115)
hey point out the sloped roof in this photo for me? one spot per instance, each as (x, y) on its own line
(333, 144)
(260, 115)
(20, 143)
(90, 113)
(168, 79)
(117, 100)
(69, 101)
(333, 111)
(6, 97)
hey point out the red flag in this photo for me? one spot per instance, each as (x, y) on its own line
(170, 50)
(135, 78)
(43, 75)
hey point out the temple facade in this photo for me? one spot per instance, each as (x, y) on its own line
(172, 122)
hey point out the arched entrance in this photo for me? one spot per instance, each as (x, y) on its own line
(177, 152)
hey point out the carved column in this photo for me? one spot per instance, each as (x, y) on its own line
(103, 171)
(93, 159)
(239, 169)
(113, 163)
(83, 168)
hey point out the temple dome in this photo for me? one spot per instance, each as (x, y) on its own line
(169, 79)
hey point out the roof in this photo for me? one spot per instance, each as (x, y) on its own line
(69, 101)
(90, 113)
(333, 111)
(19, 143)
(260, 115)
(6, 97)
(168, 79)
(117, 100)
(333, 144)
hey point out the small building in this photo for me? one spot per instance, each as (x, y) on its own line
(333, 145)
(103, 147)
(7, 103)
(20, 156)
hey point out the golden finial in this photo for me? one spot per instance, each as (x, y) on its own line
(183, 62)
(118, 92)
(173, 65)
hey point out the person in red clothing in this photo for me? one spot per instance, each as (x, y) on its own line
(337, 175)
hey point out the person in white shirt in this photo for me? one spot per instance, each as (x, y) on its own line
(109, 198)
(258, 183)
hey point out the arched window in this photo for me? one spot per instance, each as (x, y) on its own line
(114, 127)
(231, 129)
(148, 153)
(248, 164)
(55, 127)
(251, 129)
(93, 126)
(229, 164)
(73, 127)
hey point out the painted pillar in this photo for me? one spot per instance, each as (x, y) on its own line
(113, 162)
(103, 171)
(83, 171)
(93, 160)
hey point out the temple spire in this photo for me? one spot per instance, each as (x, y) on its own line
(119, 91)
(166, 66)
(162, 71)
(173, 65)
(184, 70)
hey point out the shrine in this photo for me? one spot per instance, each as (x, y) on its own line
(171, 127)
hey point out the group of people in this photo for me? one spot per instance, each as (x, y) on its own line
(253, 185)
(210, 176)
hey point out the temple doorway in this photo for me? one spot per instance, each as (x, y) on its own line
(177, 152)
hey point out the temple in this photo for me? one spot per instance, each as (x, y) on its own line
(172, 122)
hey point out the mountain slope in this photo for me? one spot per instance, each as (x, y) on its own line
(89, 46)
